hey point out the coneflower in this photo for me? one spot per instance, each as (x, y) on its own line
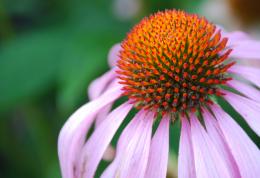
(172, 65)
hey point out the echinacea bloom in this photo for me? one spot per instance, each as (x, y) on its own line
(172, 65)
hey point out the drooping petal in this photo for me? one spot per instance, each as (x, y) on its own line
(100, 139)
(158, 156)
(234, 38)
(249, 109)
(186, 164)
(246, 49)
(243, 46)
(103, 114)
(208, 155)
(72, 135)
(98, 86)
(219, 142)
(245, 89)
(132, 148)
(250, 73)
(245, 152)
(113, 55)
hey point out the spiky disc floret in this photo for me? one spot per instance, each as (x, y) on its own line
(172, 62)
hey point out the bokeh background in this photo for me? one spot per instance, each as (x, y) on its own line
(50, 50)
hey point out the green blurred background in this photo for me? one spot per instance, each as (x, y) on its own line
(50, 50)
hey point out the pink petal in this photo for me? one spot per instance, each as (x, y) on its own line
(249, 109)
(113, 55)
(100, 139)
(234, 38)
(132, 148)
(158, 156)
(104, 112)
(245, 152)
(245, 89)
(247, 49)
(186, 164)
(72, 135)
(243, 46)
(250, 73)
(218, 139)
(208, 155)
(98, 86)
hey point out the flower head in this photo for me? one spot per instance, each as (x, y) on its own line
(171, 65)
(172, 62)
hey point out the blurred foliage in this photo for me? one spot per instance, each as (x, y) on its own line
(188, 5)
(50, 50)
